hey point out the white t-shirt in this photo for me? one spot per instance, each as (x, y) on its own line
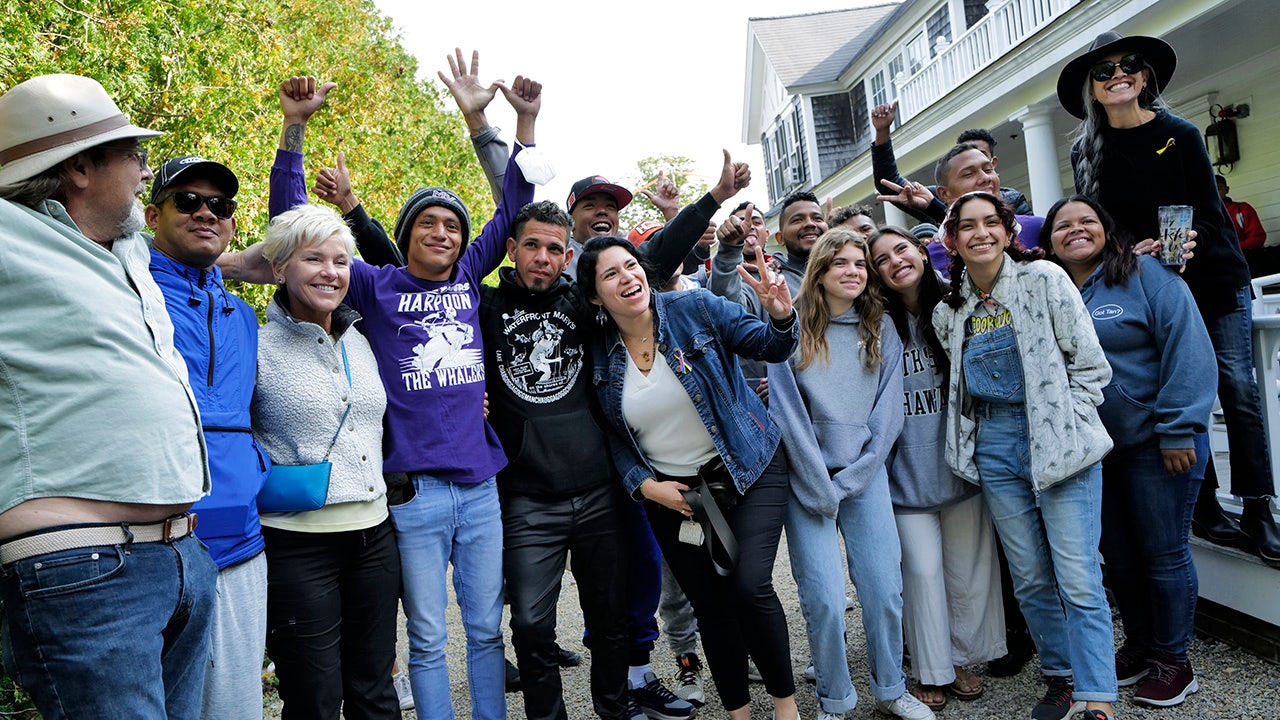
(664, 421)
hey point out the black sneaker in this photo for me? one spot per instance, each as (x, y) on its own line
(1131, 665)
(512, 677)
(1057, 703)
(1021, 648)
(659, 703)
(567, 658)
(633, 709)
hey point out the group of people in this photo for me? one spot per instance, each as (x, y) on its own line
(1037, 400)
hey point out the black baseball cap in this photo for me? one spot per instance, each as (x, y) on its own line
(192, 166)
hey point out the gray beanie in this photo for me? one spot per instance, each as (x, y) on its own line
(420, 200)
(924, 230)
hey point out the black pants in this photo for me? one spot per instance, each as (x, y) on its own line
(537, 534)
(738, 615)
(331, 621)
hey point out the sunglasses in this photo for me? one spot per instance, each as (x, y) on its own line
(1129, 64)
(189, 203)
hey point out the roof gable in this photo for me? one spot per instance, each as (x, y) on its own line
(817, 47)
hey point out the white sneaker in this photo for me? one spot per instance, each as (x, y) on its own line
(848, 604)
(824, 715)
(907, 707)
(809, 675)
(403, 691)
(689, 680)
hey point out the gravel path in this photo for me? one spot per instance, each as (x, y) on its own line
(1234, 684)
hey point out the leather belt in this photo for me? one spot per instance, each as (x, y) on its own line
(165, 531)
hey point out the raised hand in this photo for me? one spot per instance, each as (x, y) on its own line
(464, 84)
(733, 177)
(333, 185)
(524, 94)
(771, 288)
(708, 239)
(665, 196)
(300, 97)
(882, 116)
(913, 194)
(733, 231)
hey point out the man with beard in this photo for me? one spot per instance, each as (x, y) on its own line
(800, 224)
(107, 596)
(559, 471)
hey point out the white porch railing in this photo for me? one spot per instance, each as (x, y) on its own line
(1008, 23)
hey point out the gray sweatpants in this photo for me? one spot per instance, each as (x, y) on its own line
(237, 643)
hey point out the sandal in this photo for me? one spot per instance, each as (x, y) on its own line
(967, 688)
(939, 699)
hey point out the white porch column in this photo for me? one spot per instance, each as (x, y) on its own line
(1042, 156)
(894, 216)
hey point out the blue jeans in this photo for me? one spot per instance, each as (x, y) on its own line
(111, 631)
(1052, 545)
(460, 524)
(1232, 337)
(875, 566)
(1146, 518)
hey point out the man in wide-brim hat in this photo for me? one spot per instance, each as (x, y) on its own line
(106, 592)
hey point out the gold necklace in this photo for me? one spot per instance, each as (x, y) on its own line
(645, 354)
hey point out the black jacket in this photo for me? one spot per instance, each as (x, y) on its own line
(541, 401)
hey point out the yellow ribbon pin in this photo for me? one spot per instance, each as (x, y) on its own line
(1167, 145)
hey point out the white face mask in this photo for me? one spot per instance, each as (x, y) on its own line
(535, 166)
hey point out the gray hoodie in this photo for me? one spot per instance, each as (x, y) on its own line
(919, 479)
(838, 419)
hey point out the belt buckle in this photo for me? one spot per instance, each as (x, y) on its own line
(167, 532)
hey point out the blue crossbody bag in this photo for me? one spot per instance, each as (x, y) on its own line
(299, 488)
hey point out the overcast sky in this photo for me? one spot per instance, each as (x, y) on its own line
(621, 81)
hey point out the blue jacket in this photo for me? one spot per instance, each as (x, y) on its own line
(217, 335)
(1163, 368)
(700, 336)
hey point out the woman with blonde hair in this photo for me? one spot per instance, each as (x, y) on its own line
(839, 403)
(333, 572)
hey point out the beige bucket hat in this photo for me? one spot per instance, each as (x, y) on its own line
(50, 118)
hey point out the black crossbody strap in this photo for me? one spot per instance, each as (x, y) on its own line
(721, 544)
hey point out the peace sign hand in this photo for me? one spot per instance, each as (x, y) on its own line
(771, 288)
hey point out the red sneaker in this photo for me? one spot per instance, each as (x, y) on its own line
(1167, 684)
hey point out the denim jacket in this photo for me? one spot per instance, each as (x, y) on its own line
(700, 336)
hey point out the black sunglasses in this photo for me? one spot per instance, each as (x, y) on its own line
(189, 203)
(1130, 64)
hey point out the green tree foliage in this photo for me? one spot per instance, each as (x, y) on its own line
(677, 167)
(207, 73)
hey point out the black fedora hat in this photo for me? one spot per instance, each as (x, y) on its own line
(1158, 54)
